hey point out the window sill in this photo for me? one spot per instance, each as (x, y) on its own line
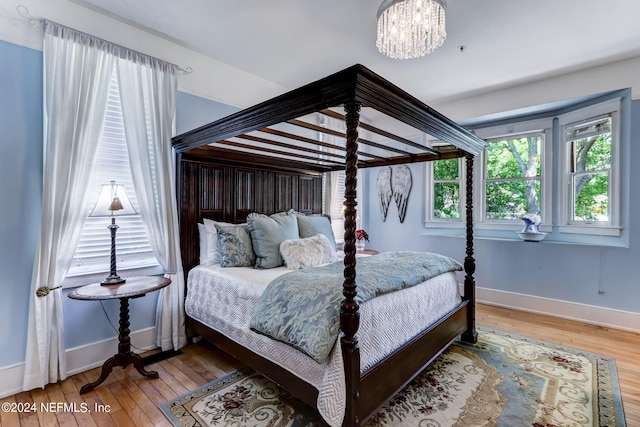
(85, 279)
(591, 230)
(553, 238)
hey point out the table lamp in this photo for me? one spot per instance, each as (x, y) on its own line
(112, 202)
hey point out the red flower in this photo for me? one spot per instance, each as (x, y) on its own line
(361, 234)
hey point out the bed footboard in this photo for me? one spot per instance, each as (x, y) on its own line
(380, 383)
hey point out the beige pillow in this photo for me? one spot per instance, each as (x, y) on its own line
(307, 252)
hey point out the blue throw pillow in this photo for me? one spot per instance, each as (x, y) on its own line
(267, 232)
(235, 246)
(310, 225)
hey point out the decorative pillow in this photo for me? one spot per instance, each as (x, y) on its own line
(307, 252)
(310, 225)
(267, 232)
(204, 247)
(213, 249)
(235, 246)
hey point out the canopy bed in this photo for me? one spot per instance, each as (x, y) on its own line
(270, 158)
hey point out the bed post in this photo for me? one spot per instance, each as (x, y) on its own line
(470, 335)
(349, 309)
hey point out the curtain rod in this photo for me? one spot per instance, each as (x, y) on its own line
(36, 22)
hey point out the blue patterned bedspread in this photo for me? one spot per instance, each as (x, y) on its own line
(301, 308)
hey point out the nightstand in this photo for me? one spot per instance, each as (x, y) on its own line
(134, 287)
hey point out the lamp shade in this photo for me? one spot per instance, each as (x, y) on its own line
(113, 201)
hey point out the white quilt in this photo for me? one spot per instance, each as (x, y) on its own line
(224, 300)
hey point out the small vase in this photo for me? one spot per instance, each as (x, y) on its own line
(360, 245)
(530, 227)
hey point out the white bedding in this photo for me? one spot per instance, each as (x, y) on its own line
(224, 300)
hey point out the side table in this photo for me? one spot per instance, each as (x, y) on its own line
(134, 287)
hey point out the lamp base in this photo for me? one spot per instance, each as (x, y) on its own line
(113, 279)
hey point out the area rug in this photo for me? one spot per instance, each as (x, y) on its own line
(502, 380)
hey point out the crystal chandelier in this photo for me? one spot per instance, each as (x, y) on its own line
(410, 28)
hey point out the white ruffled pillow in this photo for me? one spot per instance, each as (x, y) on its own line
(307, 252)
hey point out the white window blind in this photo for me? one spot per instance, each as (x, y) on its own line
(337, 198)
(132, 244)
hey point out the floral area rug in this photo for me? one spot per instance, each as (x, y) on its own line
(502, 380)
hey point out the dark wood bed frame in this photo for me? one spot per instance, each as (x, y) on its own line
(225, 179)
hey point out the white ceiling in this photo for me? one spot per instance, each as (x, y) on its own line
(293, 42)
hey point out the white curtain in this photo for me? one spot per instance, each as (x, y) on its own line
(147, 93)
(76, 81)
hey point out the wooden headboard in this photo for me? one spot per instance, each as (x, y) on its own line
(228, 189)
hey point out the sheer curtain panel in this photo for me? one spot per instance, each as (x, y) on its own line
(147, 93)
(76, 82)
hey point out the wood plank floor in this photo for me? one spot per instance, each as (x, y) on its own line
(127, 398)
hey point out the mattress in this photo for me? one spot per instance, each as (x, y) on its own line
(224, 300)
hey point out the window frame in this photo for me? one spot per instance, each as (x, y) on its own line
(502, 132)
(612, 227)
(432, 221)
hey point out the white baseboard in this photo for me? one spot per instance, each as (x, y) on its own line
(80, 359)
(601, 316)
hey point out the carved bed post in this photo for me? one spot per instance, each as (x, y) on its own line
(349, 309)
(470, 335)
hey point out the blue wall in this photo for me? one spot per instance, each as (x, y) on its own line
(20, 190)
(193, 111)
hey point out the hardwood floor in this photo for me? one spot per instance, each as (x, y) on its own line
(127, 398)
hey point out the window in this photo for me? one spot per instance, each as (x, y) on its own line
(513, 176)
(333, 184)
(445, 203)
(334, 196)
(132, 244)
(447, 189)
(590, 167)
(565, 166)
(589, 172)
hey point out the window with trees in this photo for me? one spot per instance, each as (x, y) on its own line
(446, 189)
(590, 194)
(514, 176)
(589, 145)
(513, 169)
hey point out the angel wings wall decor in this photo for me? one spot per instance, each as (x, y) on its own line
(394, 184)
(385, 192)
(401, 189)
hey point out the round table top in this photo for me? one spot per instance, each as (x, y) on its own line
(134, 287)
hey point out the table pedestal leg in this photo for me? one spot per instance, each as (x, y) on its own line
(124, 356)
